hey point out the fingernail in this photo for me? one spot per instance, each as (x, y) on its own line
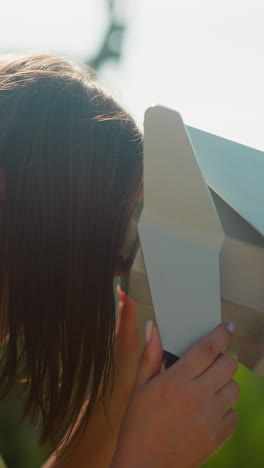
(148, 330)
(231, 327)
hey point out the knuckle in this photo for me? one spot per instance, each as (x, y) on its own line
(233, 420)
(231, 393)
(229, 429)
(207, 347)
(235, 388)
(230, 364)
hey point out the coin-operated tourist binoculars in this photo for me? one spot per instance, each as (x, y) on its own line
(196, 242)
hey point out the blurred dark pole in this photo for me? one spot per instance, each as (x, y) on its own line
(111, 47)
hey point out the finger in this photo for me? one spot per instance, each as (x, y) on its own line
(119, 314)
(127, 340)
(228, 396)
(219, 373)
(126, 347)
(127, 326)
(151, 360)
(203, 353)
(228, 427)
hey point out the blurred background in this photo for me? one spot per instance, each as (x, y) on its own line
(203, 58)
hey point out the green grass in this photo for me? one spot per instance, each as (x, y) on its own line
(246, 448)
(18, 444)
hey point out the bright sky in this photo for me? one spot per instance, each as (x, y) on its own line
(203, 58)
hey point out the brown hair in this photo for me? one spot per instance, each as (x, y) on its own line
(72, 159)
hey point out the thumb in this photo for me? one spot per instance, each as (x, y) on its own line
(152, 356)
(127, 344)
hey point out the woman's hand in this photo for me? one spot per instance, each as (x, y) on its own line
(182, 416)
(98, 443)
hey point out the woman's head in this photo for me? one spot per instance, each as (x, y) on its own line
(72, 164)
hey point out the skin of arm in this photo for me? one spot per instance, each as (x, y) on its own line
(98, 443)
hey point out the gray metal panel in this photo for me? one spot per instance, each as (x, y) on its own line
(180, 234)
(234, 171)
